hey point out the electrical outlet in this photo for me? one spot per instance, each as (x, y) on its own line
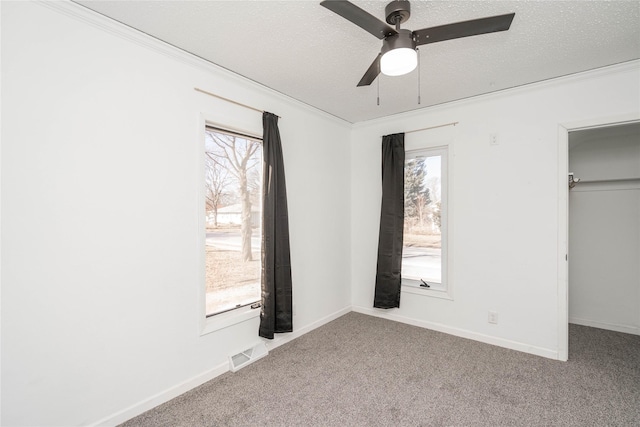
(493, 317)
(493, 139)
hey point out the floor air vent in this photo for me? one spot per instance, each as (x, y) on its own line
(248, 356)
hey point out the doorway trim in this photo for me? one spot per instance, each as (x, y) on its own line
(563, 216)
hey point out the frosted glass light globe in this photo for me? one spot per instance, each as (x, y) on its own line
(399, 61)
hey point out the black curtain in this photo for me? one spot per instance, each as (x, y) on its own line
(276, 314)
(388, 277)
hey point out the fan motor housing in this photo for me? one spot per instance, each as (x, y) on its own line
(404, 38)
(397, 12)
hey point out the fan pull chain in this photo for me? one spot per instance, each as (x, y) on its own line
(378, 79)
(418, 50)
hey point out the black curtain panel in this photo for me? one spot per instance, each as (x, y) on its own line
(277, 312)
(388, 277)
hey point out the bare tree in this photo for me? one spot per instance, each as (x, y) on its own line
(434, 187)
(238, 156)
(421, 204)
(416, 195)
(216, 183)
(254, 184)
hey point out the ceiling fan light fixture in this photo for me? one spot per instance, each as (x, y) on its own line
(399, 55)
(398, 62)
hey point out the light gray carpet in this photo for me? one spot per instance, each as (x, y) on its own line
(365, 371)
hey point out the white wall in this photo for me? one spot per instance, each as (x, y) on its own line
(505, 202)
(99, 213)
(604, 228)
(100, 285)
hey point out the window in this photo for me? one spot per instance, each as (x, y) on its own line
(233, 215)
(425, 220)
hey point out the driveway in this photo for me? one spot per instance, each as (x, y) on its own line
(230, 240)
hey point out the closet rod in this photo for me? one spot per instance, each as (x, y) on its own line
(613, 181)
(231, 101)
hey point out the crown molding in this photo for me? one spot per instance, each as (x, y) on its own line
(118, 29)
(96, 20)
(629, 66)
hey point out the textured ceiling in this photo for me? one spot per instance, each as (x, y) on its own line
(311, 54)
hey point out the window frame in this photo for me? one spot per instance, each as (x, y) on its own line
(218, 129)
(212, 323)
(444, 288)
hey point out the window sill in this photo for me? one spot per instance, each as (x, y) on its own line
(230, 318)
(433, 291)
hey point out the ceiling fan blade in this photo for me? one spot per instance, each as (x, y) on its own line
(372, 72)
(361, 18)
(473, 27)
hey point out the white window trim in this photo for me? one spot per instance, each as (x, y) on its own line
(220, 321)
(442, 290)
(224, 320)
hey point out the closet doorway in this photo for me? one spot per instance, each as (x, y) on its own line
(604, 227)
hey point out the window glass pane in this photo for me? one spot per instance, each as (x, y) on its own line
(422, 249)
(233, 185)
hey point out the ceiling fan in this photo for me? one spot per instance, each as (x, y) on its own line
(398, 55)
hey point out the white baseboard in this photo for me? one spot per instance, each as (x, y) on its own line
(285, 338)
(609, 326)
(281, 339)
(175, 391)
(463, 333)
(162, 397)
